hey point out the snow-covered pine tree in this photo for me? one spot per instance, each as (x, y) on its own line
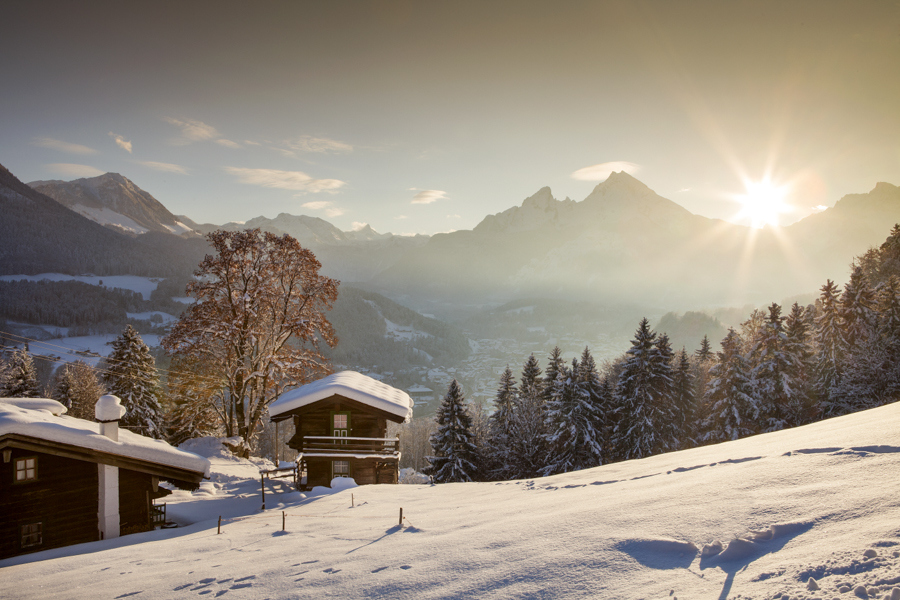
(864, 383)
(555, 364)
(701, 362)
(588, 378)
(501, 428)
(641, 416)
(571, 418)
(21, 376)
(798, 347)
(665, 392)
(130, 374)
(889, 331)
(771, 378)
(454, 452)
(683, 388)
(856, 310)
(831, 346)
(733, 413)
(78, 389)
(705, 352)
(527, 452)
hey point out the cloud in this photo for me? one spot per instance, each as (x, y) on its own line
(401, 217)
(284, 180)
(73, 170)
(357, 226)
(121, 142)
(193, 131)
(327, 207)
(308, 143)
(453, 217)
(165, 167)
(428, 196)
(228, 143)
(62, 146)
(250, 143)
(603, 170)
(324, 205)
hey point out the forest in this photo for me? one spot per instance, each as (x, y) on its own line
(832, 357)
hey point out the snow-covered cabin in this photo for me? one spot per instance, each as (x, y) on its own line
(340, 425)
(67, 481)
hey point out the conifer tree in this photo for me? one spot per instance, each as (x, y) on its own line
(705, 352)
(554, 365)
(502, 426)
(663, 384)
(527, 452)
(571, 420)
(21, 376)
(831, 346)
(454, 452)
(772, 382)
(78, 389)
(640, 430)
(798, 348)
(131, 375)
(733, 413)
(856, 311)
(683, 399)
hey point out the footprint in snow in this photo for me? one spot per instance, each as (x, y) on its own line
(379, 569)
(405, 567)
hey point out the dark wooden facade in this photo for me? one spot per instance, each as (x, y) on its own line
(59, 506)
(370, 458)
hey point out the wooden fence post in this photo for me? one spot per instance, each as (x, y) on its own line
(283, 520)
(401, 516)
(262, 487)
(220, 525)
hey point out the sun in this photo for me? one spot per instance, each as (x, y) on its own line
(762, 203)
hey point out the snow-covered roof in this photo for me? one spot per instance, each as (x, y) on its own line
(51, 406)
(348, 384)
(43, 424)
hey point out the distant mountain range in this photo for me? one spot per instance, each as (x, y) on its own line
(623, 243)
(626, 243)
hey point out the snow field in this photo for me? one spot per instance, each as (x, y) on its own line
(86, 348)
(817, 502)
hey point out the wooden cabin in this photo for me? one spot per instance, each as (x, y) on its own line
(67, 481)
(340, 424)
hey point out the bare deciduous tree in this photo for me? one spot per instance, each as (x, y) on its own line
(259, 316)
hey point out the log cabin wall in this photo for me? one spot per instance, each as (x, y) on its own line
(316, 420)
(63, 499)
(135, 491)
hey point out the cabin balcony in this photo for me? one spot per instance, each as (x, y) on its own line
(337, 447)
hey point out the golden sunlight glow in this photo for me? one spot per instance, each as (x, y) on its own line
(762, 203)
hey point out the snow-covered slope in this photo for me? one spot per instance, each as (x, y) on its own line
(816, 502)
(115, 201)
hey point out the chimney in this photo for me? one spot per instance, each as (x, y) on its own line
(108, 411)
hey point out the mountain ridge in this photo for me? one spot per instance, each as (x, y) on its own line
(114, 201)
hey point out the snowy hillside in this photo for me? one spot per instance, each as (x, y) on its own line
(816, 502)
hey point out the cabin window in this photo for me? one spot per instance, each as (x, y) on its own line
(26, 469)
(32, 535)
(340, 468)
(340, 425)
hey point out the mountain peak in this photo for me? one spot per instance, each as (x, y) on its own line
(541, 199)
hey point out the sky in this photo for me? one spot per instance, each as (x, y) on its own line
(425, 117)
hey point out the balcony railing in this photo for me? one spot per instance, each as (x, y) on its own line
(327, 445)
